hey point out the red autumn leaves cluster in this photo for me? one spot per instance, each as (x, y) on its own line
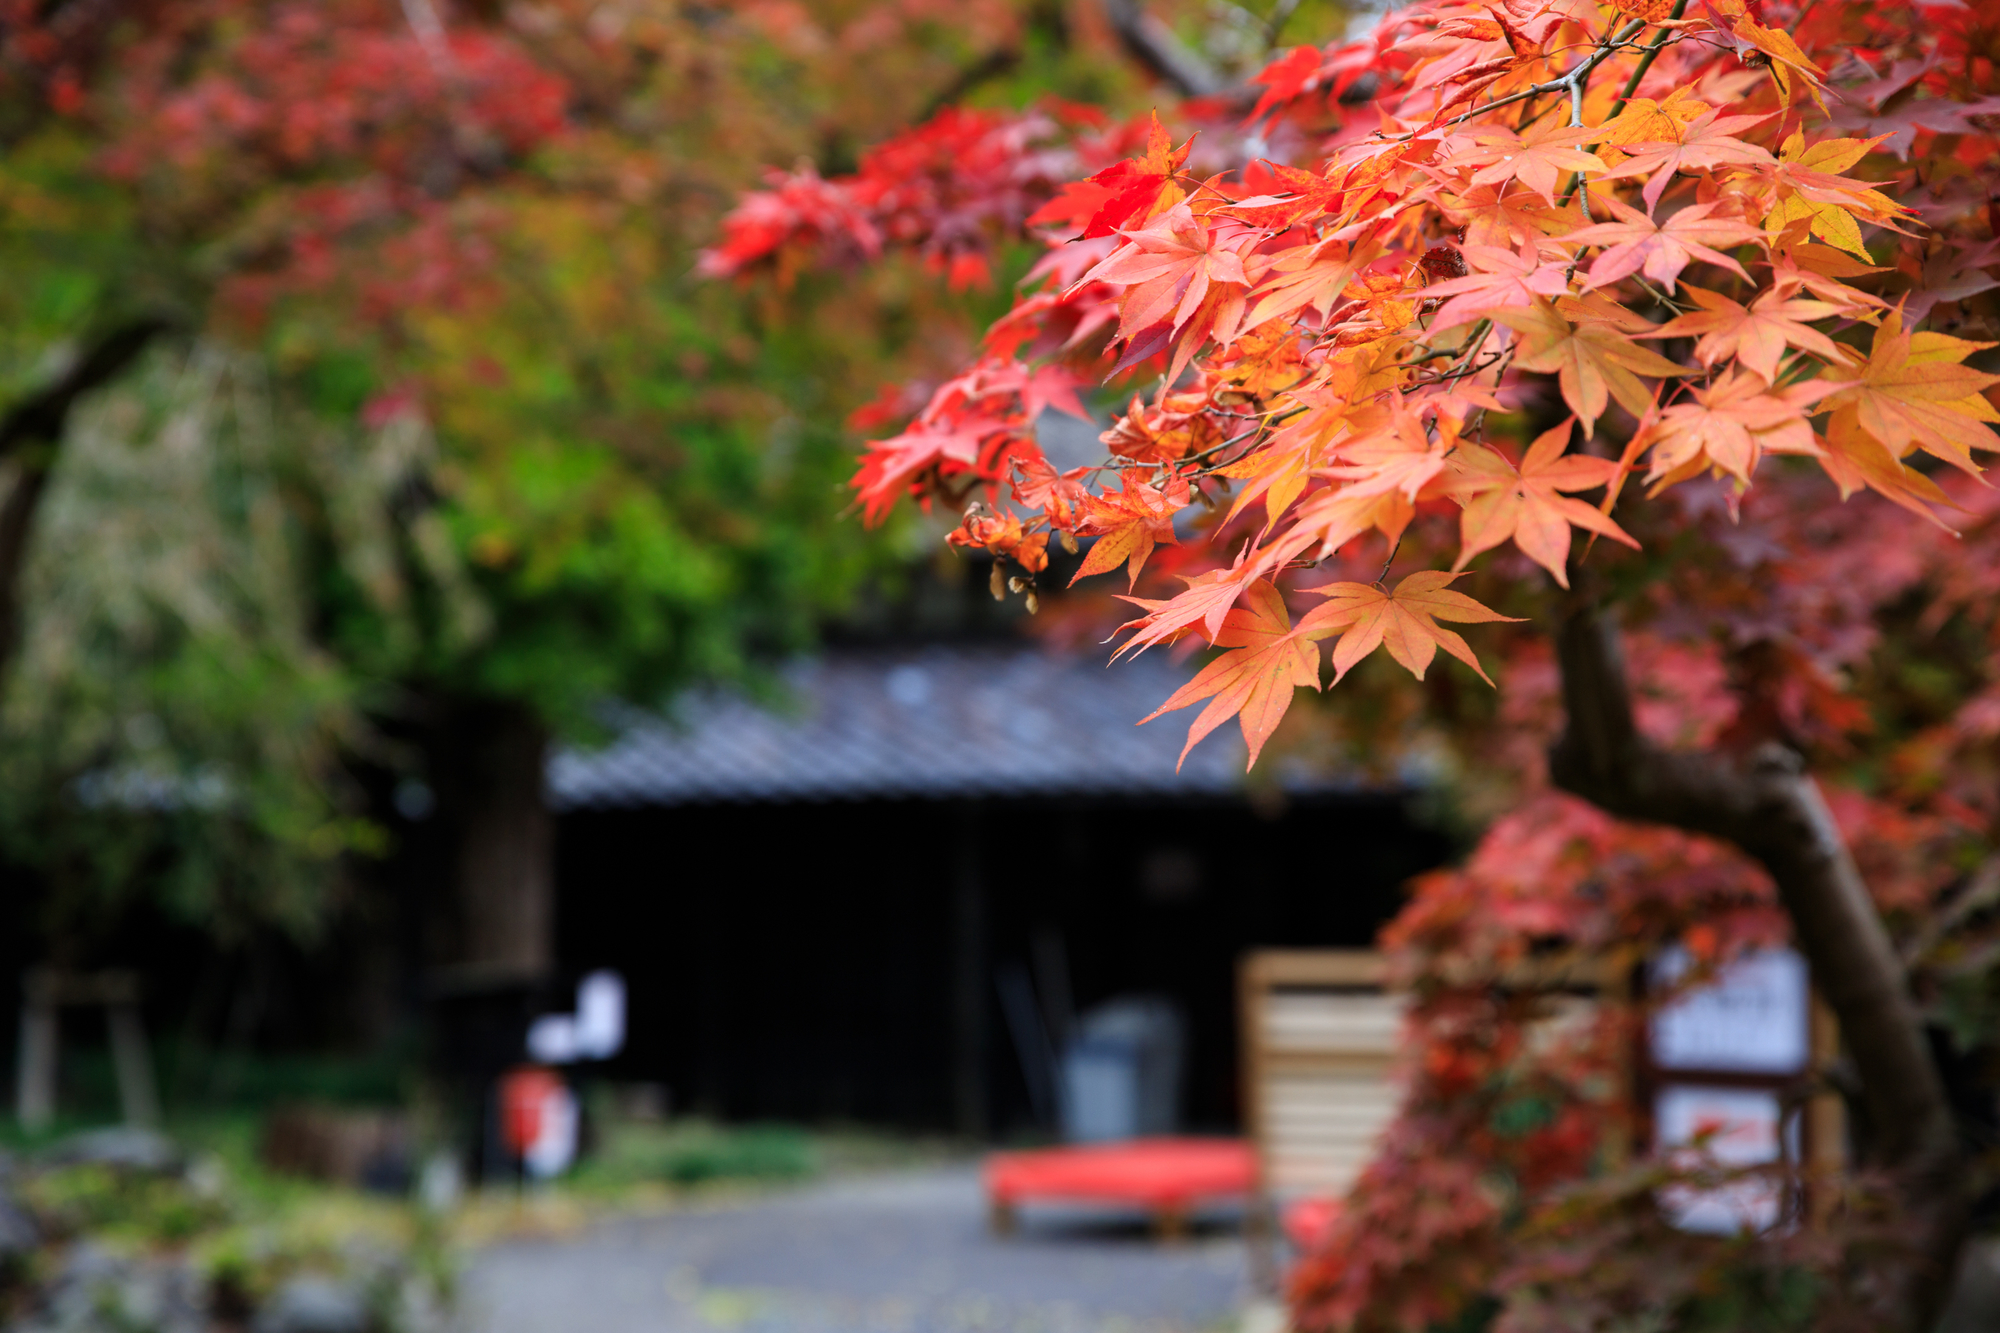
(1643, 213)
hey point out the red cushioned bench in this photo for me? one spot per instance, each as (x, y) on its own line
(1164, 1176)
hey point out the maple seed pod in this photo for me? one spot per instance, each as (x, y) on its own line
(1034, 604)
(1017, 584)
(997, 583)
(1068, 540)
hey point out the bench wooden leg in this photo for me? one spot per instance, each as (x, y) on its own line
(1170, 1224)
(1000, 1217)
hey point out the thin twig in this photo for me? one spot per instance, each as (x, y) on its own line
(1652, 53)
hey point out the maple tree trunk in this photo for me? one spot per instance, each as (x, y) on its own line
(1774, 811)
(486, 762)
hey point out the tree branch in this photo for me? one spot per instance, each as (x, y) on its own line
(1775, 812)
(33, 428)
(39, 418)
(1153, 44)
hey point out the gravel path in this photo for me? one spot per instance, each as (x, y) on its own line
(907, 1253)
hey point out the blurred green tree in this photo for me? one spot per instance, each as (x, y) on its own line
(361, 394)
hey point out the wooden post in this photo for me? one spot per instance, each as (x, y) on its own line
(44, 992)
(1261, 976)
(1001, 1217)
(1825, 1115)
(35, 1079)
(137, 1096)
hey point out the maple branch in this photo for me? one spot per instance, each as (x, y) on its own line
(1605, 50)
(1646, 60)
(1274, 25)
(33, 428)
(1652, 53)
(1576, 121)
(1774, 811)
(1154, 45)
(1000, 60)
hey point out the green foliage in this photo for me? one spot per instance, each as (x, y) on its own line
(460, 422)
(697, 1153)
(143, 1207)
(172, 726)
(219, 1226)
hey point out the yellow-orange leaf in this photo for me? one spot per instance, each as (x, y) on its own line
(1525, 504)
(1254, 682)
(1912, 394)
(1855, 459)
(1128, 525)
(1594, 362)
(1405, 621)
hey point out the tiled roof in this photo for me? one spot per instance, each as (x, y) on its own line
(1006, 720)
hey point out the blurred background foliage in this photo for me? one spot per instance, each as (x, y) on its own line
(441, 411)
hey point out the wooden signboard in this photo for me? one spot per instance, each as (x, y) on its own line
(1731, 1064)
(1321, 1033)
(1320, 1036)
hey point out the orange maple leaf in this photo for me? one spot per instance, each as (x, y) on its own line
(1180, 271)
(1279, 468)
(1810, 189)
(1405, 621)
(1645, 121)
(1128, 524)
(1394, 452)
(1637, 244)
(1056, 494)
(1912, 394)
(1504, 215)
(1166, 268)
(1002, 535)
(1500, 278)
(1310, 276)
(1855, 459)
(1593, 361)
(1254, 682)
(1537, 159)
(1785, 56)
(1207, 598)
(1756, 337)
(1525, 504)
(1334, 517)
(1141, 186)
(1311, 195)
(1707, 142)
(1730, 424)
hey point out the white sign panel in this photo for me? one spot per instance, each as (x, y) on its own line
(1726, 1127)
(1751, 1019)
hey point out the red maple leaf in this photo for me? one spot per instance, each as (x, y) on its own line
(1138, 184)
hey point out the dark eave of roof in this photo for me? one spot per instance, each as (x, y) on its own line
(936, 722)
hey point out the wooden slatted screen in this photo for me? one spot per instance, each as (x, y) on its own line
(1319, 1045)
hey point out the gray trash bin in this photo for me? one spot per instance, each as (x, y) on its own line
(1121, 1071)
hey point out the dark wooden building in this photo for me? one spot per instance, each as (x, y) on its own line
(814, 903)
